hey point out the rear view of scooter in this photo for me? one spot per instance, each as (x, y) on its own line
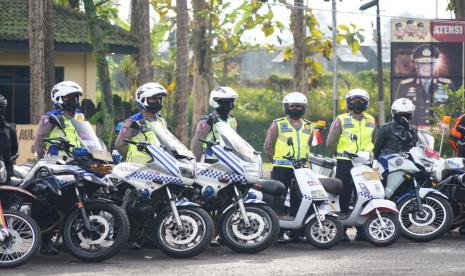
(323, 229)
(370, 210)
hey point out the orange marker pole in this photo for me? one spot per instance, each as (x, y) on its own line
(445, 123)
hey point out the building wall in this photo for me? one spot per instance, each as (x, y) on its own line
(78, 67)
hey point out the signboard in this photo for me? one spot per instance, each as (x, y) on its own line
(427, 60)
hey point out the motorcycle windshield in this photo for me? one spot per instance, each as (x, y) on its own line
(170, 142)
(425, 139)
(90, 141)
(239, 146)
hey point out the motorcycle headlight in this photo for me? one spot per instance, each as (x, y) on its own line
(364, 188)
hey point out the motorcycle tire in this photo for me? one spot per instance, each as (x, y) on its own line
(382, 237)
(249, 239)
(28, 229)
(74, 222)
(171, 240)
(430, 201)
(312, 232)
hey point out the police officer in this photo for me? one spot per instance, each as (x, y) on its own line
(457, 136)
(149, 99)
(8, 140)
(275, 146)
(65, 97)
(397, 135)
(425, 89)
(351, 132)
(222, 100)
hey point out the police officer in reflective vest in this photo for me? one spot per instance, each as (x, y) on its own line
(149, 99)
(222, 100)
(275, 147)
(352, 132)
(457, 136)
(65, 97)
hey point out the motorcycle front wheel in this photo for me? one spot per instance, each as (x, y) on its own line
(261, 232)
(429, 225)
(22, 241)
(187, 241)
(324, 237)
(109, 232)
(379, 234)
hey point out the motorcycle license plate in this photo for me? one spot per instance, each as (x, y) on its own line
(373, 175)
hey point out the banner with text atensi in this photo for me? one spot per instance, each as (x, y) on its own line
(427, 60)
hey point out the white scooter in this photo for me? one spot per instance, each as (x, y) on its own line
(323, 229)
(371, 210)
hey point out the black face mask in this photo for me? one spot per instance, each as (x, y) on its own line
(71, 104)
(154, 107)
(225, 107)
(403, 120)
(357, 107)
(295, 113)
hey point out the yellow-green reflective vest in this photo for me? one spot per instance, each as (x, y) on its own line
(135, 156)
(71, 133)
(362, 129)
(300, 138)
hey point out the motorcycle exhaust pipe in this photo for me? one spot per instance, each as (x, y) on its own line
(460, 179)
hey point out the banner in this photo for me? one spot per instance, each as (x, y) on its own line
(426, 61)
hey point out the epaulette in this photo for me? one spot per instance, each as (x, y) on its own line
(445, 80)
(409, 80)
(279, 119)
(307, 122)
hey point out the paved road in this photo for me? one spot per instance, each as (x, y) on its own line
(441, 257)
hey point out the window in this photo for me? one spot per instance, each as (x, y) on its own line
(14, 85)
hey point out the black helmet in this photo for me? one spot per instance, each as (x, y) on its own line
(3, 101)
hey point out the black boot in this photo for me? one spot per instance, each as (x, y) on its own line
(48, 247)
(133, 245)
(360, 236)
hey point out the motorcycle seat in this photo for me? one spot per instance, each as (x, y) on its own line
(332, 185)
(272, 187)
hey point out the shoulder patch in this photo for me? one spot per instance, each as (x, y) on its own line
(409, 80)
(53, 112)
(136, 117)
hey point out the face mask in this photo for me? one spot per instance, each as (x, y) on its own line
(295, 113)
(225, 107)
(71, 104)
(402, 120)
(357, 106)
(154, 107)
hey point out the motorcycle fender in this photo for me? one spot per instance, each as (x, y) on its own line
(378, 203)
(323, 213)
(425, 191)
(5, 189)
(181, 203)
(246, 201)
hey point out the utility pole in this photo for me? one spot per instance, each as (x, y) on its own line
(381, 118)
(334, 60)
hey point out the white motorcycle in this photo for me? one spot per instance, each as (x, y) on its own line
(370, 210)
(424, 213)
(246, 224)
(182, 228)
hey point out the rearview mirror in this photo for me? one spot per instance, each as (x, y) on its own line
(53, 119)
(289, 141)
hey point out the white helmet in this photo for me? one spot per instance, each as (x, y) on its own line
(148, 90)
(64, 88)
(295, 98)
(222, 92)
(357, 93)
(402, 106)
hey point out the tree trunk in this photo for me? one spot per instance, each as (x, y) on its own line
(182, 71)
(298, 54)
(96, 39)
(41, 57)
(225, 69)
(140, 27)
(201, 43)
(459, 8)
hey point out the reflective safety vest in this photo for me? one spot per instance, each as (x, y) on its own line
(214, 133)
(455, 135)
(362, 129)
(70, 131)
(133, 155)
(300, 138)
